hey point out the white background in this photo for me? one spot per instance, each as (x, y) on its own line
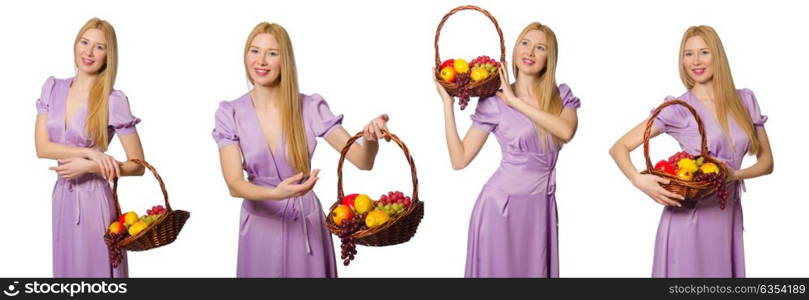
(178, 60)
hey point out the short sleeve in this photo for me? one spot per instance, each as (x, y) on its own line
(487, 114)
(120, 116)
(44, 101)
(224, 131)
(568, 100)
(749, 100)
(672, 117)
(321, 118)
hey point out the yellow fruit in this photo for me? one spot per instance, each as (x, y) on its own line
(130, 218)
(479, 74)
(688, 164)
(363, 203)
(448, 74)
(116, 227)
(684, 174)
(340, 213)
(709, 168)
(461, 66)
(376, 218)
(137, 227)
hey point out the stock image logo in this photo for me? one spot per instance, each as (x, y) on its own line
(12, 289)
(65, 288)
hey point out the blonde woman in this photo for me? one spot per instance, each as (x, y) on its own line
(513, 231)
(706, 240)
(77, 118)
(269, 133)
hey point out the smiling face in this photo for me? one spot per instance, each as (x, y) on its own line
(698, 60)
(531, 53)
(263, 60)
(91, 51)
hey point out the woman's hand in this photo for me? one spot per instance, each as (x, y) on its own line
(373, 131)
(290, 188)
(650, 184)
(109, 167)
(445, 97)
(506, 93)
(731, 175)
(73, 167)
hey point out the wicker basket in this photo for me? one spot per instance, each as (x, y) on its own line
(485, 87)
(401, 227)
(690, 190)
(161, 232)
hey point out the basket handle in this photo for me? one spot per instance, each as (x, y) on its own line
(468, 7)
(386, 134)
(156, 175)
(648, 132)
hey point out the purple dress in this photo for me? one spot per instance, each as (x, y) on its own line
(286, 238)
(513, 229)
(83, 207)
(704, 241)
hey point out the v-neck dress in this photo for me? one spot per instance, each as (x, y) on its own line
(82, 207)
(705, 241)
(278, 238)
(513, 228)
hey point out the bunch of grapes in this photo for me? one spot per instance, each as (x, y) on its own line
(463, 80)
(348, 247)
(718, 184)
(394, 202)
(156, 210)
(482, 60)
(116, 254)
(678, 156)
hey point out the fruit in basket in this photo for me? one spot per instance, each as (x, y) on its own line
(461, 66)
(340, 213)
(149, 219)
(137, 227)
(486, 63)
(479, 73)
(678, 156)
(687, 164)
(129, 218)
(156, 210)
(684, 174)
(666, 167)
(116, 227)
(448, 74)
(363, 204)
(709, 168)
(349, 199)
(447, 63)
(376, 218)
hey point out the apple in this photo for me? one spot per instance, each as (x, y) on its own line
(130, 218)
(447, 63)
(349, 199)
(116, 227)
(340, 213)
(448, 74)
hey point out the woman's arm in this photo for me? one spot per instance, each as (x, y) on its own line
(231, 162)
(362, 156)
(461, 152)
(132, 149)
(647, 183)
(562, 126)
(764, 160)
(50, 150)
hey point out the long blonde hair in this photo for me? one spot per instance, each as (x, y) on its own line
(289, 104)
(727, 98)
(547, 92)
(98, 100)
